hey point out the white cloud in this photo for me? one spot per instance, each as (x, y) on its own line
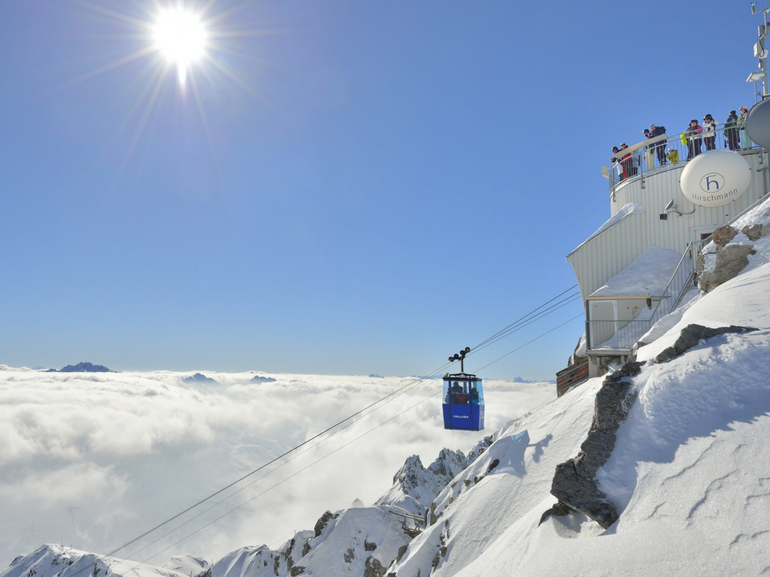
(94, 460)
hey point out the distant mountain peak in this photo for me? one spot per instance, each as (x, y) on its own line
(82, 368)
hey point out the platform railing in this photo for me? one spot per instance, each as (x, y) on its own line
(678, 150)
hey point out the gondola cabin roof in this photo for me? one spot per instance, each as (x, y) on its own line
(461, 377)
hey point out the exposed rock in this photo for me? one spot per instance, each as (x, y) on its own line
(298, 570)
(558, 510)
(321, 523)
(374, 568)
(349, 556)
(691, 335)
(415, 486)
(480, 447)
(574, 482)
(433, 516)
(730, 260)
(287, 554)
(442, 551)
(752, 231)
(369, 546)
(576, 357)
(723, 235)
(401, 552)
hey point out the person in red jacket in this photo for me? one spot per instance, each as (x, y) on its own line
(694, 144)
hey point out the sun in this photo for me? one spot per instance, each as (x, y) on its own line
(180, 36)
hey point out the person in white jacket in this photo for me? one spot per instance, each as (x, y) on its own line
(745, 140)
(709, 132)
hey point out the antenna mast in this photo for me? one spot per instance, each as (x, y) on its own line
(760, 76)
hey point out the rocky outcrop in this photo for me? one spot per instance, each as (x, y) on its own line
(691, 335)
(723, 235)
(374, 568)
(730, 260)
(756, 231)
(322, 522)
(415, 486)
(579, 354)
(574, 482)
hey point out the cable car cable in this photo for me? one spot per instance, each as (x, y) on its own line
(500, 334)
(525, 316)
(310, 448)
(537, 317)
(532, 341)
(291, 476)
(493, 338)
(418, 380)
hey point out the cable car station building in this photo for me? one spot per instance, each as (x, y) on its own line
(637, 267)
(653, 227)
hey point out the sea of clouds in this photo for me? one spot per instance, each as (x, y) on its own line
(92, 460)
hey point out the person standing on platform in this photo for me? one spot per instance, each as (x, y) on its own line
(649, 151)
(660, 146)
(744, 136)
(709, 132)
(619, 166)
(628, 161)
(731, 131)
(694, 144)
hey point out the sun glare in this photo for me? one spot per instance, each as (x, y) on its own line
(180, 37)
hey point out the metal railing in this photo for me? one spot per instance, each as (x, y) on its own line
(647, 159)
(627, 335)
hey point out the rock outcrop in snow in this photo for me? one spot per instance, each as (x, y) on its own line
(691, 335)
(415, 487)
(727, 255)
(574, 482)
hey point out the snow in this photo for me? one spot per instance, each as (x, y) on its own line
(689, 473)
(626, 211)
(94, 459)
(648, 275)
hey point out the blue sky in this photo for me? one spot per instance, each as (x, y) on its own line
(375, 186)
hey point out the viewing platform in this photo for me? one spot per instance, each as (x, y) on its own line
(653, 231)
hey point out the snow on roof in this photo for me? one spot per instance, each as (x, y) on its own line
(689, 470)
(648, 275)
(626, 211)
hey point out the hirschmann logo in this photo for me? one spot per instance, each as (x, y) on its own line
(712, 182)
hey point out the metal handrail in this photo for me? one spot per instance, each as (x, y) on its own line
(641, 157)
(630, 333)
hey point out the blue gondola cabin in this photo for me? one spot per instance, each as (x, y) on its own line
(463, 402)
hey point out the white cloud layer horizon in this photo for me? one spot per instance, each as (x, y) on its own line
(92, 460)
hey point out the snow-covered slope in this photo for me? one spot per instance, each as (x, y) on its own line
(689, 472)
(689, 475)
